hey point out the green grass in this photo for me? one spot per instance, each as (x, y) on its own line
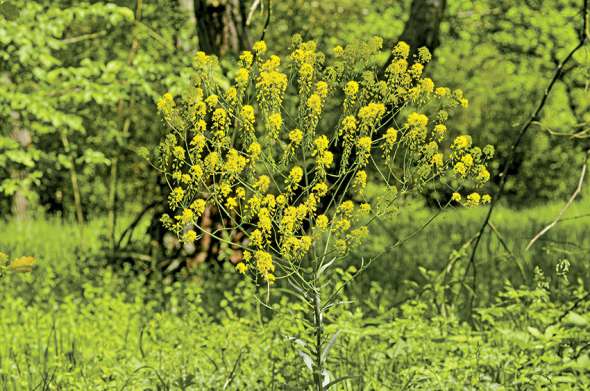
(502, 255)
(77, 324)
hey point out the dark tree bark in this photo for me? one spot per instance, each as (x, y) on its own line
(422, 29)
(221, 26)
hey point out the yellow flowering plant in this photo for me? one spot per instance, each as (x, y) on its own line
(283, 153)
(18, 265)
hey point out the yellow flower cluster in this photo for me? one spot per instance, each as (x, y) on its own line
(267, 165)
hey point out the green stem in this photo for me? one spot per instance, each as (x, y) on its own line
(318, 325)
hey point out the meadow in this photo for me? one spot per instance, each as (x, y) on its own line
(76, 323)
(294, 195)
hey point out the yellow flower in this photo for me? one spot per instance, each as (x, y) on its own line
(254, 150)
(325, 159)
(212, 160)
(187, 216)
(402, 49)
(179, 152)
(365, 208)
(437, 160)
(346, 207)
(196, 171)
(473, 199)
(270, 201)
(483, 175)
(427, 85)
(391, 136)
(424, 55)
(322, 222)
(321, 143)
(198, 206)
(259, 47)
(231, 203)
(234, 163)
(460, 169)
(442, 91)
(321, 189)
(398, 67)
(201, 58)
(257, 238)
(348, 124)
(281, 200)
(364, 143)
(417, 69)
(212, 100)
(417, 120)
(190, 236)
(199, 142)
(22, 264)
(275, 121)
(321, 89)
(296, 174)
(242, 77)
(219, 118)
(272, 64)
(246, 58)
(456, 197)
(360, 180)
(351, 88)
(166, 103)
(314, 102)
(264, 220)
(342, 225)
(467, 160)
(371, 113)
(225, 188)
(296, 136)
(262, 183)
(247, 256)
(242, 268)
(486, 199)
(176, 196)
(461, 142)
(248, 114)
(264, 262)
(439, 131)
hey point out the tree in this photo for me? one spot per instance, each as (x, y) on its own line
(221, 26)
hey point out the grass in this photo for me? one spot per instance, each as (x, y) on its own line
(77, 324)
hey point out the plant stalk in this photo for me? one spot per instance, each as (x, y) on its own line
(318, 325)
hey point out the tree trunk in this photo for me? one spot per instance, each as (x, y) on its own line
(423, 25)
(221, 26)
(422, 29)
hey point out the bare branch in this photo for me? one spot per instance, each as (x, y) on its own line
(565, 207)
(584, 37)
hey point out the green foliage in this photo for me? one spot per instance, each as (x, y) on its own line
(71, 325)
(79, 85)
(443, 247)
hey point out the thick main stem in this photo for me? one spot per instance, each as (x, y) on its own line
(318, 325)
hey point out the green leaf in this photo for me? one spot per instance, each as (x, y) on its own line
(9, 10)
(576, 319)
